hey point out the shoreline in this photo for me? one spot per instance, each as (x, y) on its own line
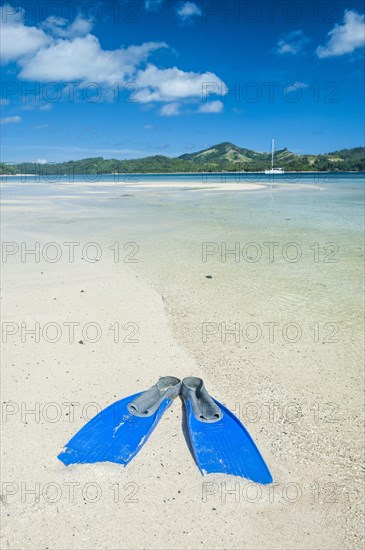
(132, 174)
(194, 186)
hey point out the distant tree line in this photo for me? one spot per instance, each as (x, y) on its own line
(346, 160)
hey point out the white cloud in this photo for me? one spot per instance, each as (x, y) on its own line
(292, 43)
(152, 5)
(67, 52)
(10, 120)
(60, 27)
(172, 84)
(296, 86)
(170, 109)
(41, 161)
(188, 10)
(83, 59)
(16, 39)
(35, 106)
(345, 38)
(211, 107)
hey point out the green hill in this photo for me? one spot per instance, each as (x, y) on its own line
(224, 152)
(229, 156)
(224, 156)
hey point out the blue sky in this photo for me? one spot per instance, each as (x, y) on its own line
(126, 79)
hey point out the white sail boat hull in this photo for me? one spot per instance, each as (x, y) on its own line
(275, 171)
(272, 169)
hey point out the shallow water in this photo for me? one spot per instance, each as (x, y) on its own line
(284, 251)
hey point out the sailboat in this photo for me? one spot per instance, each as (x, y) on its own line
(272, 169)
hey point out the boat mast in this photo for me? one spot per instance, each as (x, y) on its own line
(272, 154)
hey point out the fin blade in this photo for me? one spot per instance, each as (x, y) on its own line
(113, 435)
(226, 447)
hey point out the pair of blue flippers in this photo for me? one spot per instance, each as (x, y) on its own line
(219, 441)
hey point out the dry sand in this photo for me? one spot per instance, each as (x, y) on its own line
(155, 184)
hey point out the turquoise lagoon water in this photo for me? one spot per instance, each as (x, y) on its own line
(320, 276)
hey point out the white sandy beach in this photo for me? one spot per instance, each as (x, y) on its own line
(134, 182)
(160, 500)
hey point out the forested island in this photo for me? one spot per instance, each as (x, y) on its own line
(225, 157)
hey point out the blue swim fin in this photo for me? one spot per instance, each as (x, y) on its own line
(118, 432)
(220, 442)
